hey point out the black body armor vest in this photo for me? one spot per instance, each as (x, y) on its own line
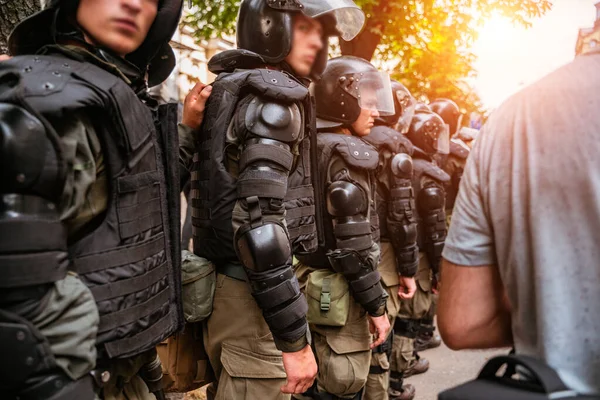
(388, 143)
(130, 256)
(431, 229)
(357, 154)
(214, 189)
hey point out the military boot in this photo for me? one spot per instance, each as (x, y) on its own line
(398, 390)
(420, 366)
(427, 338)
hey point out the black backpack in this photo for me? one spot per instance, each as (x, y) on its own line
(543, 382)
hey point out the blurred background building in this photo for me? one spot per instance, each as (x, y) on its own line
(192, 63)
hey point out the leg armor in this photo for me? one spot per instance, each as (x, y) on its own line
(431, 206)
(348, 204)
(402, 223)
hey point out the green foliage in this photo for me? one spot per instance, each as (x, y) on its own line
(425, 43)
(211, 18)
(428, 42)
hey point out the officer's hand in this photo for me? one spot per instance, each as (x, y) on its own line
(379, 326)
(301, 370)
(194, 104)
(407, 288)
(435, 285)
(4, 57)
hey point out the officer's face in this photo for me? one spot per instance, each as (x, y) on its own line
(368, 112)
(366, 120)
(118, 25)
(306, 44)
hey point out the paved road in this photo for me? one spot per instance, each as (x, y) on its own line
(448, 369)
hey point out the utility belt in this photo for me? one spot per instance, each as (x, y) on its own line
(407, 327)
(233, 270)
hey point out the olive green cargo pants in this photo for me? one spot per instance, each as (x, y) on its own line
(343, 354)
(240, 347)
(378, 383)
(415, 309)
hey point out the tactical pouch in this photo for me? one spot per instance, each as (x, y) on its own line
(185, 363)
(328, 298)
(199, 282)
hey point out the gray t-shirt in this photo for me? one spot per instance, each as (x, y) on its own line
(529, 203)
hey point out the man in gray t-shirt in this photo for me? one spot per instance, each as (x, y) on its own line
(527, 222)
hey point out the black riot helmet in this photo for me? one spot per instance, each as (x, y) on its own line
(155, 56)
(429, 133)
(422, 107)
(348, 85)
(404, 105)
(265, 27)
(450, 113)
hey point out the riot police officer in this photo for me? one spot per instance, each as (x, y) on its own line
(398, 226)
(429, 135)
(252, 193)
(350, 95)
(454, 165)
(90, 188)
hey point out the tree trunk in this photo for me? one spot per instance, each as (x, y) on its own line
(11, 12)
(363, 46)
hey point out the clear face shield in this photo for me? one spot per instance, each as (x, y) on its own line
(372, 89)
(349, 18)
(409, 105)
(441, 144)
(458, 124)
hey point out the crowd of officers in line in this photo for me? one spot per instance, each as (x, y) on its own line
(320, 193)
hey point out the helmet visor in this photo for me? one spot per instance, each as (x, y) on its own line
(409, 105)
(349, 18)
(442, 143)
(372, 90)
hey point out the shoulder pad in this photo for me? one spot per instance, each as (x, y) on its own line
(356, 152)
(402, 166)
(55, 86)
(277, 85)
(270, 84)
(424, 167)
(230, 60)
(385, 137)
(270, 119)
(46, 74)
(459, 149)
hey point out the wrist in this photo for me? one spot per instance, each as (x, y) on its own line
(379, 312)
(286, 346)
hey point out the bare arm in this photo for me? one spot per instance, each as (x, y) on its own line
(473, 310)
